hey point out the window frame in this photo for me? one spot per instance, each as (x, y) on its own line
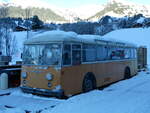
(62, 62)
(79, 44)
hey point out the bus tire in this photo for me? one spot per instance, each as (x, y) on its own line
(89, 82)
(127, 73)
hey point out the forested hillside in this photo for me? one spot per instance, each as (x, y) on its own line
(43, 14)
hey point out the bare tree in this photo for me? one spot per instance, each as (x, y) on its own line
(28, 14)
(4, 11)
(13, 44)
(5, 31)
(1, 40)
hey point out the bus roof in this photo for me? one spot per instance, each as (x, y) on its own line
(62, 36)
(52, 36)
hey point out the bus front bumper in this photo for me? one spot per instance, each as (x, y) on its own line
(45, 92)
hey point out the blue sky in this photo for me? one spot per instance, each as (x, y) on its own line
(75, 3)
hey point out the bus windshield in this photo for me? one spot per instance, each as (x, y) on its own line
(42, 54)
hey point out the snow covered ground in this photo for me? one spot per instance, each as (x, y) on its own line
(14, 101)
(127, 96)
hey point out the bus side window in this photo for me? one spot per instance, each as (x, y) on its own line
(135, 53)
(127, 53)
(67, 54)
(112, 53)
(89, 53)
(76, 54)
(101, 53)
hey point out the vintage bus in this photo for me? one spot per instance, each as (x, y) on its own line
(57, 63)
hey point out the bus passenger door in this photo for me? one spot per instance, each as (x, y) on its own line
(72, 70)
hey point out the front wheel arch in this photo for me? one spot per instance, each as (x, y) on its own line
(89, 78)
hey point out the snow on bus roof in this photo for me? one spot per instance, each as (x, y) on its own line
(88, 38)
(52, 36)
(126, 43)
(104, 40)
(61, 36)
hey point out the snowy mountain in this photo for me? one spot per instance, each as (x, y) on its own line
(115, 8)
(18, 9)
(82, 11)
(68, 14)
(120, 8)
(92, 12)
(61, 14)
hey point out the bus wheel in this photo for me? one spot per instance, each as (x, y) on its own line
(127, 73)
(89, 83)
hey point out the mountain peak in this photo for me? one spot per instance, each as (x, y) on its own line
(125, 2)
(117, 1)
(121, 8)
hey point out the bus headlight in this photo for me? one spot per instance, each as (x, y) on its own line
(24, 75)
(49, 76)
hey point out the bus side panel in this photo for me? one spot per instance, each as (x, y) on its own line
(100, 72)
(105, 73)
(108, 72)
(71, 79)
(114, 71)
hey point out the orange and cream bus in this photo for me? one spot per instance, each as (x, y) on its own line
(57, 63)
